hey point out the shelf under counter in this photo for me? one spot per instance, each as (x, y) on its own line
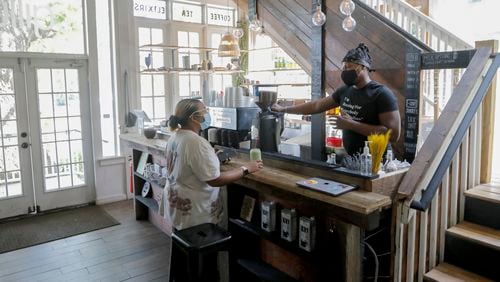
(149, 202)
(275, 238)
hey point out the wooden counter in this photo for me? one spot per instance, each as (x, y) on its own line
(341, 221)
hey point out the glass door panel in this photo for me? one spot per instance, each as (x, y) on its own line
(62, 151)
(16, 189)
(61, 127)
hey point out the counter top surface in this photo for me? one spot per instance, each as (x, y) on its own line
(358, 201)
(155, 143)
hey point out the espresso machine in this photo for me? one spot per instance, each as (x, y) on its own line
(271, 124)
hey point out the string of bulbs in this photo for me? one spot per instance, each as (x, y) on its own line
(346, 8)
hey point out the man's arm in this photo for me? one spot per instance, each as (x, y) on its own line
(313, 107)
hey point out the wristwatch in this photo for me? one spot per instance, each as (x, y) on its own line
(245, 170)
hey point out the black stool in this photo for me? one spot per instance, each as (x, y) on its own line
(193, 249)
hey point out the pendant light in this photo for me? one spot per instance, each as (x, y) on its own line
(238, 32)
(318, 17)
(228, 46)
(347, 8)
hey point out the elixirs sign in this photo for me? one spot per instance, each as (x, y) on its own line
(151, 9)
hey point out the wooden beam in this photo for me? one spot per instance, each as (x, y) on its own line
(488, 120)
(318, 86)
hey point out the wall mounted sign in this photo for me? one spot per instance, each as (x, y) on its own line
(447, 60)
(185, 12)
(412, 101)
(220, 16)
(151, 9)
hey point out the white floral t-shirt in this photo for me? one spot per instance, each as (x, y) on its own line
(191, 161)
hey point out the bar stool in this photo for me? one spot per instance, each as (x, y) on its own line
(193, 249)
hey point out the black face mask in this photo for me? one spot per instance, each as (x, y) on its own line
(349, 77)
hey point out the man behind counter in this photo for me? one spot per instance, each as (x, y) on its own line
(366, 106)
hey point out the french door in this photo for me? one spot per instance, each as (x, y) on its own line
(45, 146)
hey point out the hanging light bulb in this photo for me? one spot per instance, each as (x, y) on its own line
(228, 46)
(347, 7)
(238, 32)
(349, 23)
(318, 18)
(255, 24)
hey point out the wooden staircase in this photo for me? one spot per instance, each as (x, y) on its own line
(472, 247)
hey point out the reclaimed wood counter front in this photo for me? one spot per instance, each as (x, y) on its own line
(341, 222)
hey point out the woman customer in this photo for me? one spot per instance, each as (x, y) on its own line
(193, 169)
(194, 177)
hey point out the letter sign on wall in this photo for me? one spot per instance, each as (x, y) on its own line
(186, 12)
(218, 16)
(151, 9)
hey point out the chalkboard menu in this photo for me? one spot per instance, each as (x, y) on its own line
(412, 101)
(252, 9)
(447, 60)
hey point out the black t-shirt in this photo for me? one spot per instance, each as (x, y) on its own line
(363, 105)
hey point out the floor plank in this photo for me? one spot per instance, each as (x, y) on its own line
(131, 251)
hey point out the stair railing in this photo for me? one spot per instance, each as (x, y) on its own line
(417, 24)
(431, 195)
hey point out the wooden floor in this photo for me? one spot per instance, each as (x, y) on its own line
(131, 251)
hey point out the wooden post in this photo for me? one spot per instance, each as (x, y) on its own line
(318, 86)
(488, 123)
(350, 237)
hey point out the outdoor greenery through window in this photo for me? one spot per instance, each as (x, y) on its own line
(46, 26)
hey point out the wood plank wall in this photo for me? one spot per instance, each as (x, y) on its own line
(288, 22)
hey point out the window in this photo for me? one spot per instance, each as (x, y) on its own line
(152, 87)
(46, 26)
(107, 93)
(190, 83)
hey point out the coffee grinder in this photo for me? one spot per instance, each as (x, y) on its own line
(271, 124)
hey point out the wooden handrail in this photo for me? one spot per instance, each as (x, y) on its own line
(433, 150)
(445, 162)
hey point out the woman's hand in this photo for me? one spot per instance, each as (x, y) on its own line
(254, 166)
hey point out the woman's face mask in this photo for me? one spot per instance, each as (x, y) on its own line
(207, 119)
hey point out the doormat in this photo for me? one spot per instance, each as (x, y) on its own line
(48, 227)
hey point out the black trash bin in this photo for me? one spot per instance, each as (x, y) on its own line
(194, 252)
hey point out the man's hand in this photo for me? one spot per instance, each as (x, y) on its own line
(277, 108)
(343, 121)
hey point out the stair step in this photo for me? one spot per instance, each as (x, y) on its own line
(482, 205)
(474, 248)
(450, 273)
(485, 236)
(485, 192)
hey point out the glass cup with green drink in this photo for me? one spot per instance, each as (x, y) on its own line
(255, 154)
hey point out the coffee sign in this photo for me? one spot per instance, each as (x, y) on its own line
(185, 12)
(151, 9)
(218, 16)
